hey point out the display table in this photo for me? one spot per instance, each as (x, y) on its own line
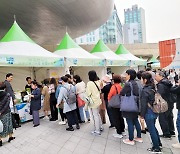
(23, 110)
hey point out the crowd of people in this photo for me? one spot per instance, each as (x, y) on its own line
(130, 98)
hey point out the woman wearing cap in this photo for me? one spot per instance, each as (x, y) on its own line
(105, 90)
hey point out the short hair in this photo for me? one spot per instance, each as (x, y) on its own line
(78, 78)
(160, 73)
(35, 83)
(92, 75)
(8, 75)
(2, 85)
(132, 73)
(68, 76)
(64, 78)
(148, 69)
(117, 78)
(28, 78)
(139, 74)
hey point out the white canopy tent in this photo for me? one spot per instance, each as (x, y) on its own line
(115, 63)
(22, 57)
(80, 61)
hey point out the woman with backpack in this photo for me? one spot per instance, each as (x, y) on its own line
(93, 91)
(118, 120)
(131, 90)
(67, 95)
(147, 99)
(80, 92)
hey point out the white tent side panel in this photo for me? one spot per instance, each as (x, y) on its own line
(119, 70)
(83, 72)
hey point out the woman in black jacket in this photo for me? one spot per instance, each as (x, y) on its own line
(5, 114)
(147, 99)
(35, 103)
(131, 117)
(176, 90)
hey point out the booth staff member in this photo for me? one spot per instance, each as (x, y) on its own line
(35, 105)
(28, 85)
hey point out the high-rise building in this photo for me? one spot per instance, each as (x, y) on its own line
(134, 27)
(111, 32)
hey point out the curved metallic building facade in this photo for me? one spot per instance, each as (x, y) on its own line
(46, 21)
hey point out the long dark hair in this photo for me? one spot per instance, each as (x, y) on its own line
(53, 81)
(132, 73)
(92, 76)
(148, 77)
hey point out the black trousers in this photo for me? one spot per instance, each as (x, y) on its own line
(118, 120)
(63, 116)
(166, 122)
(72, 118)
(54, 110)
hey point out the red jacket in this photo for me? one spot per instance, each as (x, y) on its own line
(113, 90)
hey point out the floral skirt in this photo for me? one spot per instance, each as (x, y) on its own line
(7, 125)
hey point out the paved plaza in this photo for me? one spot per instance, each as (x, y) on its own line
(52, 138)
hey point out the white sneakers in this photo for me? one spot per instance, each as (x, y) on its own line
(62, 123)
(138, 140)
(127, 141)
(118, 136)
(96, 132)
(177, 145)
(46, 118)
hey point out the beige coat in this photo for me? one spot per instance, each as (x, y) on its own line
(45, 93)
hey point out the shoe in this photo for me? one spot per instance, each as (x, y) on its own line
(146, 129)
(124, 133)
(118, 136)
(89, 120)
(82, 121)
(143, 131)
(177, 145)
(96, 133)
(36, 125)
(10, 139)
(156, 151)
(52, 119)
(101, 129)
(111, 126)
(173, 134)
(166, 136)
(70, 129)
(62, 123)
(46, 118)
(127, 141)
(138, 140)
(77, 126)
(1, 143)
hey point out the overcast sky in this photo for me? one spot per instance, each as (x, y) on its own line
(162, 17)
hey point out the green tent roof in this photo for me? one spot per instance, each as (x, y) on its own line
(100, 47)
(153, 60)
(67, 43)
(121, 50)
(16, 34)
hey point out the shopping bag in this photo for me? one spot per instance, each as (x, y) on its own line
(80, 102)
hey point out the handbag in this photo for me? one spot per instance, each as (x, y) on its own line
(129, 103)
(115, 100)
(80, 102)
(1, 126)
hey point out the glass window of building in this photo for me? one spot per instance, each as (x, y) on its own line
(93, 38)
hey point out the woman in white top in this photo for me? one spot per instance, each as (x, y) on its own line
(80, 91)
(93, 91)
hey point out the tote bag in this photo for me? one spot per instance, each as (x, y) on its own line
(115, 100)
(129, 103)
(80, 101)
(1, 126)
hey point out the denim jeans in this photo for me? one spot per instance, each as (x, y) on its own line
(131, 123)
(178, 125)
(150, 119)
(81, 112)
